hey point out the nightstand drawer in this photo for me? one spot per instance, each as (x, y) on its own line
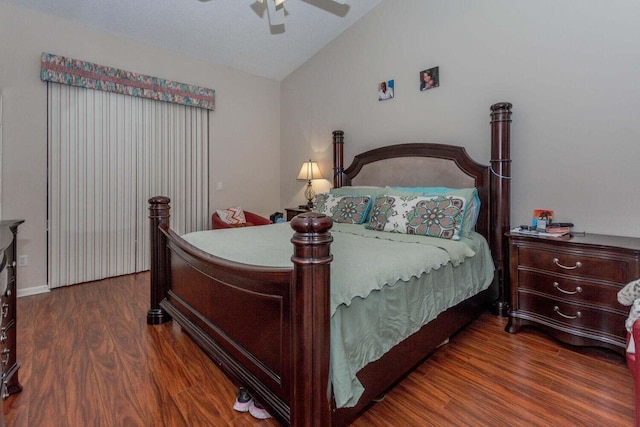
(7, 333)
(613, 270)
(573, 289)
(560, 312)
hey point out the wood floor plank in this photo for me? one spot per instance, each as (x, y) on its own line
(113, 384)
(89, 358)
(197, 410)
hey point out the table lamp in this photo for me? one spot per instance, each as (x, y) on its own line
(309, 171)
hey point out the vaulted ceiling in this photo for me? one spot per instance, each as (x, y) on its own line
(236, 33)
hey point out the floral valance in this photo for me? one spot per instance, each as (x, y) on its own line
(74, 72)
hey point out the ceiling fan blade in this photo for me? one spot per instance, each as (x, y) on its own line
(276, 13)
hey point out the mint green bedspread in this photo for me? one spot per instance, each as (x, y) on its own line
(386, 268)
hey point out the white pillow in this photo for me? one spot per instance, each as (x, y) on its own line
(232, 215)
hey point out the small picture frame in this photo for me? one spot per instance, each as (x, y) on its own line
(429, 78)
(385, 90)
(541, 218)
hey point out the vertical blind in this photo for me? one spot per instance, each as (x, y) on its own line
(109, 153)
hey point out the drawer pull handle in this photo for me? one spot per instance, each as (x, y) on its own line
(557, 310)
(556, 261)
(5, 356)
(577, 291)
(5, 309)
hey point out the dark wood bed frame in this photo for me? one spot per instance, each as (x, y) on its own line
(268, 329)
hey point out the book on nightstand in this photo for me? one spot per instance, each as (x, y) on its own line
(552, 229)
(560, 228)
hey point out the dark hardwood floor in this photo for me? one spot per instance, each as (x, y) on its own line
(89, 359)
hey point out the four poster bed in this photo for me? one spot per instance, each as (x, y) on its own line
(271, 326)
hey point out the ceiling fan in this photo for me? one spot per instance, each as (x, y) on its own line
(276, 12)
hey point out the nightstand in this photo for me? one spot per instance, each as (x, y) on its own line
(291, 212)
(569, 288)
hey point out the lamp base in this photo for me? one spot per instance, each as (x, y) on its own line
(309, 194)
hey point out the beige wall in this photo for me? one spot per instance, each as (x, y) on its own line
(570, 68)
(245, 133)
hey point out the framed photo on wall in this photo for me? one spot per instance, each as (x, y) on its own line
(429, 78)
(385, 90)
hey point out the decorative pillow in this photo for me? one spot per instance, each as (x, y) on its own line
(361, 190)
(472, 210)
(439, 216)
(232, 215)
(345, 209)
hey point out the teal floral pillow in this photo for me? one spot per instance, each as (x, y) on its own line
(472, 208)
(344, 209)
(438, 216)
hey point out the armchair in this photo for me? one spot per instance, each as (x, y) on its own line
(630, 296)
(252, 220)
(633, 361)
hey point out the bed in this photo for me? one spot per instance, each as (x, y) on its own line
(268, 325)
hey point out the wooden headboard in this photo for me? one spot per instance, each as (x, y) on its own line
(424, 164)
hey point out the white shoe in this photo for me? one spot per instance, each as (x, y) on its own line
(243, 401)
(258, 411)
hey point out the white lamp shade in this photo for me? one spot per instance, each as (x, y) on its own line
(309, 171)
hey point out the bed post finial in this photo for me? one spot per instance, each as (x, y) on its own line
(311, 312)
(338, 159)
(158, 215)
(501, 197)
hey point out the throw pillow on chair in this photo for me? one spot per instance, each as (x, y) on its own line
(236, 217)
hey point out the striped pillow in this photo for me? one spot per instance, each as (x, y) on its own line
(232, 215)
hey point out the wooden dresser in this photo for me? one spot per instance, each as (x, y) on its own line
(568, 288)
(8, 360)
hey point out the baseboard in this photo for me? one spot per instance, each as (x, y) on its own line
(34, 290)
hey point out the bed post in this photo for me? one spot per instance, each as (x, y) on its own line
(311, 386)
(158, 215)
(338, 158)
(500, 198)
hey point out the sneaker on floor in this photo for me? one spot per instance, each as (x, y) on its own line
(243, 401)
(258, 411)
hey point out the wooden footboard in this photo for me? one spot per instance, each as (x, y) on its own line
(260, 325)
(269, 328)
